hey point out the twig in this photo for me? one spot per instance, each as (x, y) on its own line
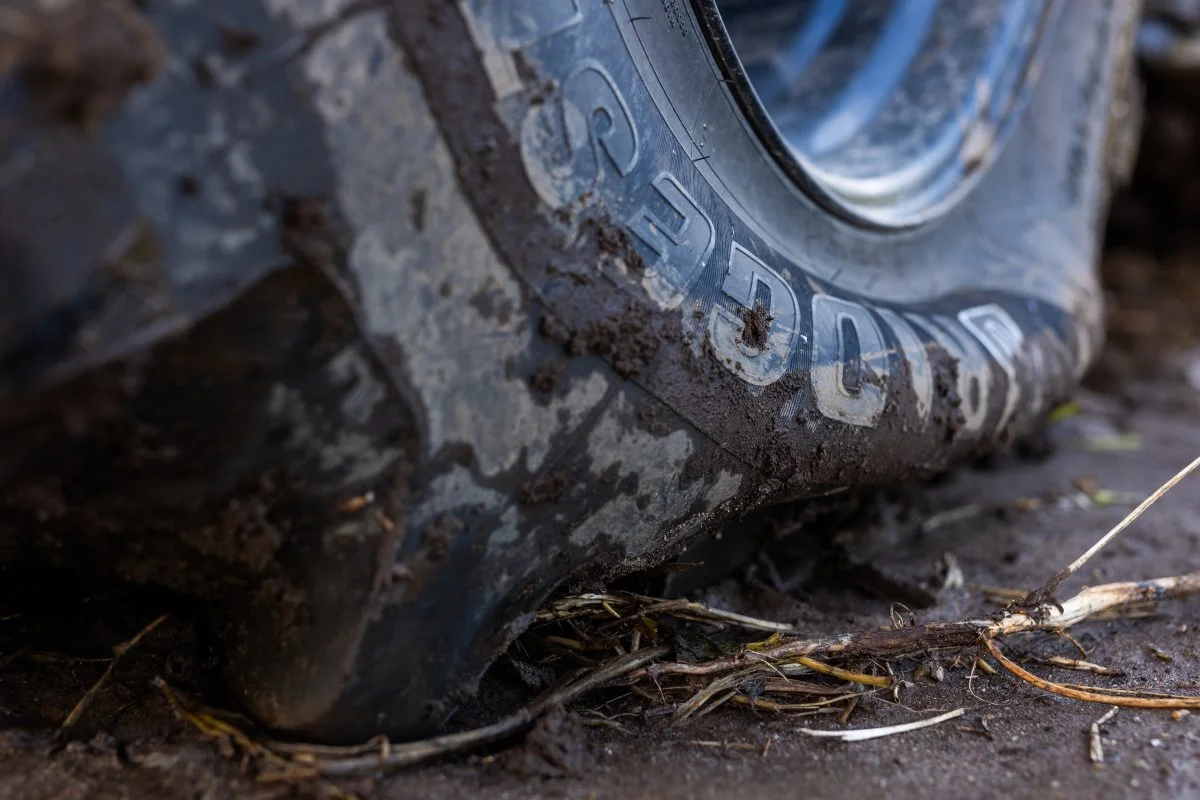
(815, 707)
(1095, 599)
(862, 734)
(1095, 745)
(791, 686)
(718, 615)
(1042, 594)
(724, 684)
(851, 704)
(214, 727)
(588, 604)
(118, 651)
(1086, 694)
(846, 675)
(894, 642)
(715, 704)
(952, 515)
(724, 745)
(280, 767)
(1083, 666)
(409, 754)
(1124, 692)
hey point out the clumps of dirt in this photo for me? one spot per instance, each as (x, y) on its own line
(418, 208)
(236, 42)
(614, 243)
(757, 327)
(546, 377)
(492, 304)
(552, 328)
(44, 501)
(439, 536)
(244, 534)
(412, 574)
(310, 231)
(79, 58)
(945, 386)
(650, 418)
(627, 339)
(777, 461)
(539, 90)
(557, 747)
(626, 335)
(314, 235)
(547, 488)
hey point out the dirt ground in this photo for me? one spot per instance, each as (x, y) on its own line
(1009, 521)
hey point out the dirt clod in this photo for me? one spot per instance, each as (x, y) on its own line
(556, 747)
(418, 207)
(626, 339)
(614, 243)
(440, 535)
(547, 488)
(757, 327)
(236, 42)
(80, 58)
(545, 379)
(312, 233)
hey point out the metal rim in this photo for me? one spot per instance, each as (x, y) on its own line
(886, 112)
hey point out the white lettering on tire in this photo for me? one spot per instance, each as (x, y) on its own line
(974, 382)
(1002, 338)
(682, 248)
(850, 362)
(746, 278)
(912, 350)
(567, 146)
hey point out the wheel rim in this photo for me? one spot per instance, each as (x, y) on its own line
(885, 111)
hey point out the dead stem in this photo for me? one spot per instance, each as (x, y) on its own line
(1045, 592)
(411, 753)
(818, 706)
(118, 652)
(717, 687)
(636, 605)
(894, 642)
(1083, 666)
(844, 674)
(1088, 696)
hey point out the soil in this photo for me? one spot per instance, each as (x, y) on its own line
(1013, 739)
(82, 58)
(1010, 520)
(547, 488)
(757, 326)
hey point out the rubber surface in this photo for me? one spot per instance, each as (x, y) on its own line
(396, 316)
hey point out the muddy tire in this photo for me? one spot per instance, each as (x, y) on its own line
(370, 324)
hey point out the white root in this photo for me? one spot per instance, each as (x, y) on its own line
(862, 734)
